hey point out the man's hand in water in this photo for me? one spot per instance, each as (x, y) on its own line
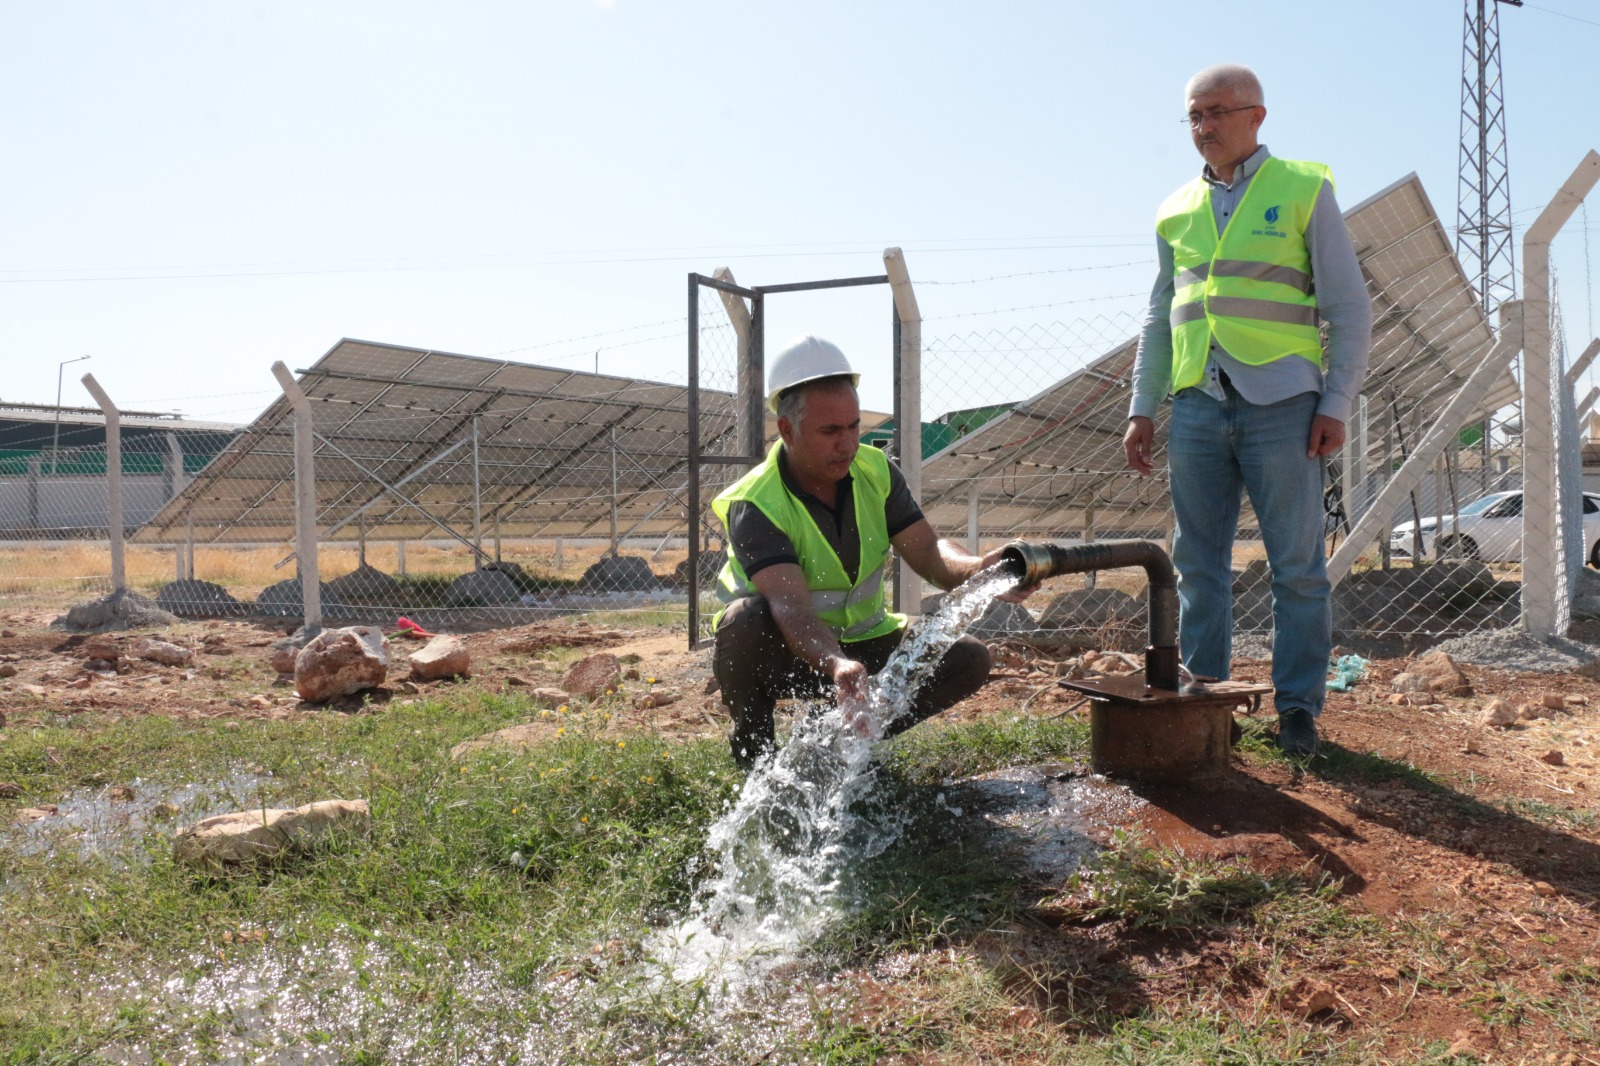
(850, 683)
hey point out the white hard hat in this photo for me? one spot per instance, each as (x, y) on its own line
(807, 359)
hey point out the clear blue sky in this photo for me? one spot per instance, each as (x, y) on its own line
(194, 190)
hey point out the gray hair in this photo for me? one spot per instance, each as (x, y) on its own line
(1240, 79)
(792, 401)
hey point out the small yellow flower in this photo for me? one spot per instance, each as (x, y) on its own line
(561, 709)
(585, 818)
(560, 731)
(621, 744)
(651, 680)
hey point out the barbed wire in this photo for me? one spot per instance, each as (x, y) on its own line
(1034, 307)
(1038, 273)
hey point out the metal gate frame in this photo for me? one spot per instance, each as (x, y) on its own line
(751, 405)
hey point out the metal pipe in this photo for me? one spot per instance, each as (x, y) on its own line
(1032, 563)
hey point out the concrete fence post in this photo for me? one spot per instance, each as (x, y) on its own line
(119, 574)
(1542, 552)
(305, 497)
(908, 406)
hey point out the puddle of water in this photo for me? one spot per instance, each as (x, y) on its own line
(110, 820)
(1056, 819)
(323, 1004)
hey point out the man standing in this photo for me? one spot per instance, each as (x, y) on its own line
(809, 533)
(1253, 255)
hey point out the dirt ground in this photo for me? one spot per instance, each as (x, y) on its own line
(1488, 838)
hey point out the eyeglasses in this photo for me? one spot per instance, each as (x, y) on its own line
(1194, 119)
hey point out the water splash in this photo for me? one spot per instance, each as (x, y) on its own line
(788, 852)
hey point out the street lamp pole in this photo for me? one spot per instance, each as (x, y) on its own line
(55, 437)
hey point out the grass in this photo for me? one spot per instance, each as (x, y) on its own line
(502, 907)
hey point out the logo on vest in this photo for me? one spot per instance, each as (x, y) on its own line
(1271, 216)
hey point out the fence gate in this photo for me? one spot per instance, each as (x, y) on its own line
(727, 411)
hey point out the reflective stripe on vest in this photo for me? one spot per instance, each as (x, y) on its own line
(1250, 288)
(852, 610)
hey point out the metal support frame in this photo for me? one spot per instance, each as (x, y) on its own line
(1445, 427)
(751, 400)
(119, 573)
(305, 497)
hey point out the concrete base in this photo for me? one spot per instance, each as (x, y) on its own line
(1168, 742)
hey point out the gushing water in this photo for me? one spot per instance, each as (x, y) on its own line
(788, 852)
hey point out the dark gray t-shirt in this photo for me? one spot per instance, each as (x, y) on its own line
(757, 543)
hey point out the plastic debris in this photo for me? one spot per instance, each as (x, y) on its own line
(1346, 672)
(411, 629)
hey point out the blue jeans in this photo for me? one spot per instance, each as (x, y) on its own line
(1217, 450)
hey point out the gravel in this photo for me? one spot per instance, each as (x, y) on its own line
(1516, 649)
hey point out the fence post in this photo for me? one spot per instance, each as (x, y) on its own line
(1586, 407)
(1541, 541)
(119, 576)
(749, 408)
(908, 405)
(305, 497)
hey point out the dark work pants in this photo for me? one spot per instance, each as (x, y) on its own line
(755, 669)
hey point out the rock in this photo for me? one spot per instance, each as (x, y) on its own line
(10, 790)
(594, 676)
(619, 573)
(1590, 669)
(1090, 609)
(1553, 701)
(7, 670)
(365, 585)
(1554, 758)
(1409, 682)
(106, 649)
(285, 599)
(1442, 674)
(659, 698)
(192, 598)
(441, 657)
(24, 815)
(551, 697)
(526, 735)
(1307, 997)
(1532, 711)
(1499, 713)
(286, 650)
(710, 566)
(119, 610)
(483, 588)
(36, 690)
(160, 651)
(165, 810)
(1544, 889)
(267, 835)
(338, 662)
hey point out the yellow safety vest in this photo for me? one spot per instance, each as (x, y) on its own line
(1250, 289)
(853, 611)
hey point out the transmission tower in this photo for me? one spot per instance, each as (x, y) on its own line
(1483, 230)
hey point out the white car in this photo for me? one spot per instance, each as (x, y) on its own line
(1489, 528)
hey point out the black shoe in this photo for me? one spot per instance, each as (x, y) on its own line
(1297, 733)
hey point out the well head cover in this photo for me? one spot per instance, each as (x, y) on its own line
(807, 359)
